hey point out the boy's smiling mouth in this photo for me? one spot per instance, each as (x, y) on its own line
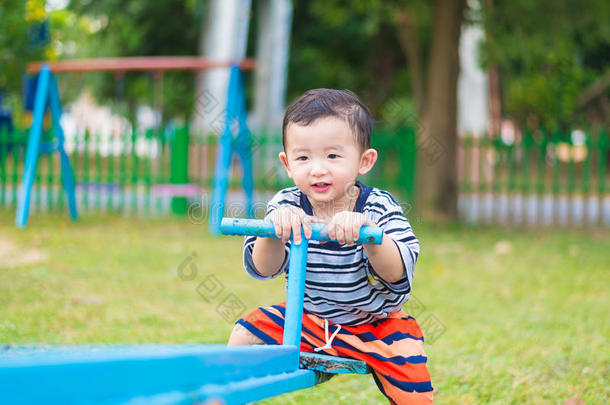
(321, 187)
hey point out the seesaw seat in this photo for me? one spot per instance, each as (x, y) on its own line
(332, 365)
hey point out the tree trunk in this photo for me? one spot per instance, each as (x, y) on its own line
(493, 80)
(437, 134)
(410, 45)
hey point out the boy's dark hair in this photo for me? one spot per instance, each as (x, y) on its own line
(321, 103)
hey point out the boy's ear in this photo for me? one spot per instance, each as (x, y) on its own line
(367, 161)
(284, 160)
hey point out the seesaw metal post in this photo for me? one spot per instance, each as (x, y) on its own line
(295, 293)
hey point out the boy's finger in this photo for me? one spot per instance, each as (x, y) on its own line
(355, 231)
(330, 228)
(307, 220)
(276, 226)
(340, 235)
(349, 235)
(296, 230)
(286, 228)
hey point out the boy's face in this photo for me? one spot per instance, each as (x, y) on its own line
(324, 159)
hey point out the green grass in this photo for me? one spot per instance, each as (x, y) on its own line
(524, 314)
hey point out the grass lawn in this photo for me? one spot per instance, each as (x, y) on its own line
(511, 316)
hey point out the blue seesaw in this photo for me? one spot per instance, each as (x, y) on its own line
(181, 374)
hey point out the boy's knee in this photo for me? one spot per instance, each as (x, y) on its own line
(241, 336)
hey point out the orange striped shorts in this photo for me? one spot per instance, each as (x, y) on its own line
(392, 346)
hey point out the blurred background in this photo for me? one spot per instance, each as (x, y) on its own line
(492, 125)
(483, 113)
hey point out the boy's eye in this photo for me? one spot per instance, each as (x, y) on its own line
(302, 158)
(333, 156)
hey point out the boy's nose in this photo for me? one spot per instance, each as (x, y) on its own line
(318, 169)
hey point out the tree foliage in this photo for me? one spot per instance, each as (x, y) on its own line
(142, 28)
(547, 52)
(355, 45)
(19, 22)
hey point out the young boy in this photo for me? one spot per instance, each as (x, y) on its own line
(354, 292)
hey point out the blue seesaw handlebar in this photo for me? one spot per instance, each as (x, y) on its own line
(264, 228)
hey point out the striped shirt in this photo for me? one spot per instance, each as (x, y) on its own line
(340, 285)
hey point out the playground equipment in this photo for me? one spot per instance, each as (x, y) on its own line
(179, 188)
(228, 143)
(47, 95)
(182, 374)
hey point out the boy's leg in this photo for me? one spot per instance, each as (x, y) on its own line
(240, 336)
(393, 347)
(266, 325)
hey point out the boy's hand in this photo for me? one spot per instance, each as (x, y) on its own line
(287, 219)
(345, 226)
